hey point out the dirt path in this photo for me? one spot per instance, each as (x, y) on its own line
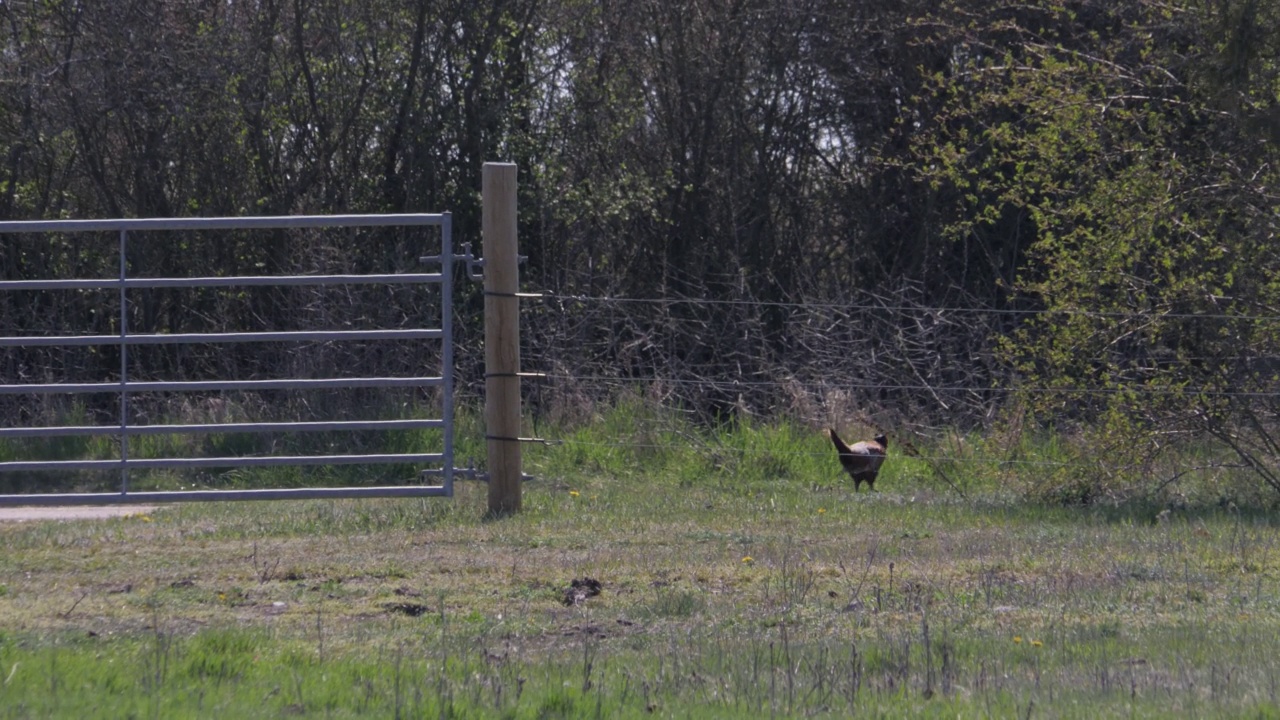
(76, 512)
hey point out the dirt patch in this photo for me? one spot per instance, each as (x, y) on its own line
(410, 609)
(78, 512)
(580, 590)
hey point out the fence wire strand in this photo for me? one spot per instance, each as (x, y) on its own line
(925, 309)
(1189, 392)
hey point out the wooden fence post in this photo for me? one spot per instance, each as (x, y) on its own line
(501, 337)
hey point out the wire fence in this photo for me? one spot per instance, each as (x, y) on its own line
(849, 307)
(929, 374)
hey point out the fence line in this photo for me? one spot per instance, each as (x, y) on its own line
(938, 310)
(730, 384)
(873, 359)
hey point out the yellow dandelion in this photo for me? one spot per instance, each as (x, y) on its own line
(821, 510)
(574, 493)
(748, 559)
(146, 518)
(222, 597)
(1036, 643)
(1017, 638)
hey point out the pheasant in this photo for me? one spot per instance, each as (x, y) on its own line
(863, 460)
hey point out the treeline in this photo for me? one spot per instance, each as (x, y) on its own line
(904, 210)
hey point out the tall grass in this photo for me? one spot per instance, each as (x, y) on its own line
(635, 437)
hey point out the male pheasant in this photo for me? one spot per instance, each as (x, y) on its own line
(862, 460)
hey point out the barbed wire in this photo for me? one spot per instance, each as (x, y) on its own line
(939, 310)
(731, 384)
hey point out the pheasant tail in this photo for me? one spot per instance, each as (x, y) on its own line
(841, 447)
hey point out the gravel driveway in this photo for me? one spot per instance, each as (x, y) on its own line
(77, 512)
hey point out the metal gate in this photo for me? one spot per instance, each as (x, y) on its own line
(124, 387)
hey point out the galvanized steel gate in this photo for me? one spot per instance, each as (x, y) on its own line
(124, 386)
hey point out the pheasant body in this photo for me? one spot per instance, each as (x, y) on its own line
(862, 460)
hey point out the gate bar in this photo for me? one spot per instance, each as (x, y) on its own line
(177, 496)
(222, 223)
(184, 429)
(222, 281)
(143, 386)
(216, 338)
(208, 462)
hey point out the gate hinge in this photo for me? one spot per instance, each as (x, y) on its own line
(469, 473)
(475, 265)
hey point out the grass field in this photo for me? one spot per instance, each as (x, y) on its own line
(740, 576)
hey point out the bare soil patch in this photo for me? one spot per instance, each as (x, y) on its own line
(78, 512)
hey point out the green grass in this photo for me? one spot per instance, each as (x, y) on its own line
(742, 577)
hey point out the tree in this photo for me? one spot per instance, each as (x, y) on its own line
(1104, 134)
